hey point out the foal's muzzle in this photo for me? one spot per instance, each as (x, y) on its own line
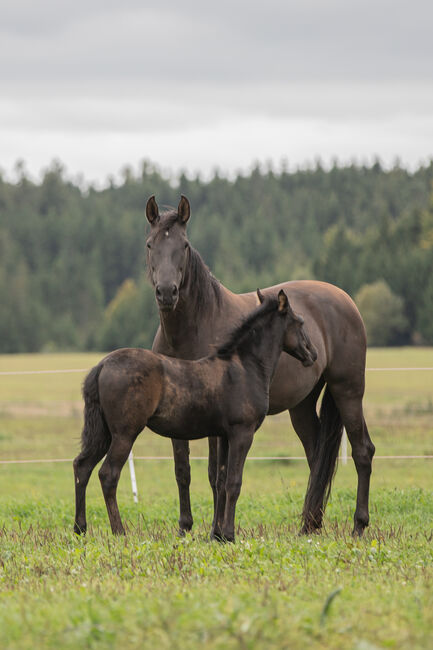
(167, 296)
(309, 355)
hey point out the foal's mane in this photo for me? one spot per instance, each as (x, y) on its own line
(240, 337)
(203, 284)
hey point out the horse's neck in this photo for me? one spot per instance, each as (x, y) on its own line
(194, 322)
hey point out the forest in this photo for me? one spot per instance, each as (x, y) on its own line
(72, 274)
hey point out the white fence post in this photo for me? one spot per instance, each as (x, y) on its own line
(344, 447)
(133, 479)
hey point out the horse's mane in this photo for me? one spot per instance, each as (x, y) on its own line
(241, 335)
(204, 285)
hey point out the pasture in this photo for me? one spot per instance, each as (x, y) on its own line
(272, 589)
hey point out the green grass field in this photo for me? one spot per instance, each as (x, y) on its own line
(272, 589)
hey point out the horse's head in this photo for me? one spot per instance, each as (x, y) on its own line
(297, 343)
(167, 251)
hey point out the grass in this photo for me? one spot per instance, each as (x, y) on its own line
(272, 589)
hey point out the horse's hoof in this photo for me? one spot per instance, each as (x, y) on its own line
(310, 529)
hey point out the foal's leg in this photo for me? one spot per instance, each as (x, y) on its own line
(183, 477)
(83, 467)
(350, 407)
(109, 475)
(239, 445)
(220, 504)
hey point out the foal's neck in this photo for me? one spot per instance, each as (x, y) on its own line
(264, 355)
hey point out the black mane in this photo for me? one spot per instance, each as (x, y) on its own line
(205, 286)
(241, 335)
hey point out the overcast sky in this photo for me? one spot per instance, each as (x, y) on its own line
(194, 85)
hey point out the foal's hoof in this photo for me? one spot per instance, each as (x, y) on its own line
(184, 527)
(78, 530)
(218, 536)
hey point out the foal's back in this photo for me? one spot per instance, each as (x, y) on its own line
(173, 397)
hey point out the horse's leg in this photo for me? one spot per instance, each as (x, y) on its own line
(109, 475)
(183, 477)
(306, 421)
(212, 470)
(323, 464)
(220, 504)
(239, 444)
(84, 464)
(350, 407)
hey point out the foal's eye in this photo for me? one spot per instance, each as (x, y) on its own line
(186, 245)
(148, 245)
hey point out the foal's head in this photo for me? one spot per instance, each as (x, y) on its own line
(167, 251)
(297, 343)
(263, 332)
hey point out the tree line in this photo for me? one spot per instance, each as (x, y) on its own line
(72, 273)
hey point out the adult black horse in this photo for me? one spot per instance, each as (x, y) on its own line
(197, 312)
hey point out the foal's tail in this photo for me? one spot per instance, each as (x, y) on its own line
(96, 436)
(324, 463)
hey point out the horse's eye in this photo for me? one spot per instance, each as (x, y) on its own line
(148, 245)
(186, 244)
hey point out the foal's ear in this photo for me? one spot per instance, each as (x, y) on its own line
(183, 209)
(260, 296)
(152, 212)
(283, 302)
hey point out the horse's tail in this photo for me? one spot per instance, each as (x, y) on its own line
(324, 462)
(96, 436)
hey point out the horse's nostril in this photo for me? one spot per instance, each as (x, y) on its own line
(158, 292)
(175, 290)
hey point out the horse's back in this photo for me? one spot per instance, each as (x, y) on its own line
(336, 329)
(333, 321)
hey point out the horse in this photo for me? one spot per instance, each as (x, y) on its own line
(196, 312)
(224, 394)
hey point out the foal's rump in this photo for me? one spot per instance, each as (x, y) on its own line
(130, 386)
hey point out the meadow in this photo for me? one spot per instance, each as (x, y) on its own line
(272, 589)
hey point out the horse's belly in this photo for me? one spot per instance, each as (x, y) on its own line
(291, 384)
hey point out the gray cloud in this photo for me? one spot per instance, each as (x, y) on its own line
(357, 75)
(220, 42)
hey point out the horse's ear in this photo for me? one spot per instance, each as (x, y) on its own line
(260, 296)
(283, 302)
(152, 212)
(183, 209)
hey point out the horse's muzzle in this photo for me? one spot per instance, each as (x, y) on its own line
(167, 296)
